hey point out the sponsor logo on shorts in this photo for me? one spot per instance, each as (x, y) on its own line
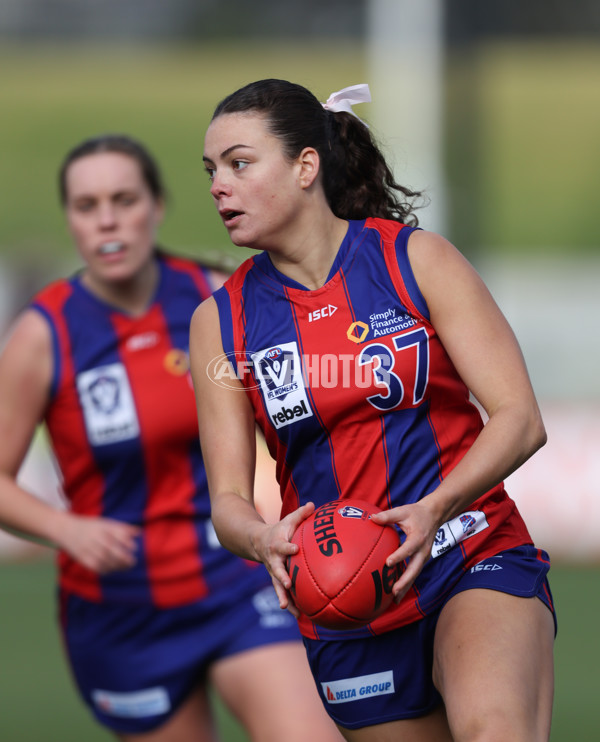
(355, 689)
(211, 535)
(458, 529)
(487, 566)
(138, 704)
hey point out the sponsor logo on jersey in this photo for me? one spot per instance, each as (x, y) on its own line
(141, 341)
(363, 686)
(392, 319)
(279, 372)
(139, 704)
(322, 312)
(107, 403)
(467, 522)
(357, 332)
(177, 362)
(458, 529)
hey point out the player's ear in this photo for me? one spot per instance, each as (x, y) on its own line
(309, 164)
(159, 211)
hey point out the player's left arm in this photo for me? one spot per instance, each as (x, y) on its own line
(486, 354)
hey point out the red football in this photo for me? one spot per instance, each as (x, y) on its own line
(339, 576)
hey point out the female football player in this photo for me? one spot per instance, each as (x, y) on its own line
(153, 610)
(342, 270)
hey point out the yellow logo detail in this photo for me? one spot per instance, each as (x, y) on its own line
(357, 332)
(177, 362)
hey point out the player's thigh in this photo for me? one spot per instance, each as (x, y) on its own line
(193, 720)
(271, 691)
(493, 665)
(433, 727)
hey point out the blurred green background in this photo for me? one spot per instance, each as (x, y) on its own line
(521, 116)
(54, 97)
(521, 134)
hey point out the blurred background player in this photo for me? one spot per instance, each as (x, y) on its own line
(152, 608)
(465, 652)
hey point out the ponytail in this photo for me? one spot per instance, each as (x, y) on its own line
(356, 178)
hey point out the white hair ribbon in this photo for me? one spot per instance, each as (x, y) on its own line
(344, 99)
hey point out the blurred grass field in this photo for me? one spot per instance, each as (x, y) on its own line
(523, 153)
(38, 701)
(54, 97)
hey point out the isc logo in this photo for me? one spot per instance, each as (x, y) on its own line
(321, 313)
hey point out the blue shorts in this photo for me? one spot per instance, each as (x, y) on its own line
(362, 682)
(135, 664)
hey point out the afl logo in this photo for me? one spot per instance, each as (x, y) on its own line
(351, 511)
(273, 354)
(176, 362)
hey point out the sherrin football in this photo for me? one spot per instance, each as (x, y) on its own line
(339, 576)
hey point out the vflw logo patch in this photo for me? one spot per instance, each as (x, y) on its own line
(279, 372)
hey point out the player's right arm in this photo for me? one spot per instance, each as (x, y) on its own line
(26, 367)
(228, 439)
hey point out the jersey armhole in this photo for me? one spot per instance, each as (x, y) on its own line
(56, 357)
(223, 300)
(407, 277)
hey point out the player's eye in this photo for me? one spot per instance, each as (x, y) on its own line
(83, 206)
(211, 173)
(126, 199)
(239, 165)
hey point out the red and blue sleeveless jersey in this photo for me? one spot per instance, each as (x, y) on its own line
(357, 397)
(123, 427)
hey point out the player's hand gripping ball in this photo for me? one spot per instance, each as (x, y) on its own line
(339, 576)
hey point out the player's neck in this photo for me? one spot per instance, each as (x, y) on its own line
(309, 258)
(133, 295)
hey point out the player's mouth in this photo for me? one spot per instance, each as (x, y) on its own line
(230, 217)
(111, 248)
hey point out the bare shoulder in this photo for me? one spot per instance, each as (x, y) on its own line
(29, 337)
(430, 253)
(442, 272)
(205, 332)
(26, 368)
(205, 317)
